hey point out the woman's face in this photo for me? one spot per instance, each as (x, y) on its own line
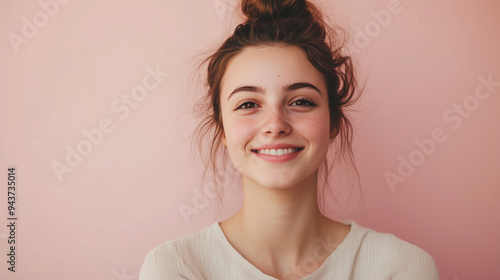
(275, 115)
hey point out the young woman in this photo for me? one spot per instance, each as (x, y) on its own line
(277, 89)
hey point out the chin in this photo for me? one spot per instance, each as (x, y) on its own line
(284, 181)
(278, 185)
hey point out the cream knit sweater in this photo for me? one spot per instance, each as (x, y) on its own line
(363, 255)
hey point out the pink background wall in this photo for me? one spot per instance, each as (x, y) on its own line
(119, 71)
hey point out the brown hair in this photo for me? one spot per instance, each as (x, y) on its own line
(286, 22)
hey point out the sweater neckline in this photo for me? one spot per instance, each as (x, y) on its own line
(340, 250)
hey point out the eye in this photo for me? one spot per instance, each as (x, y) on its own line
(303, 102)
(246, 104)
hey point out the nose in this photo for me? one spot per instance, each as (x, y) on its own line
(276, 123)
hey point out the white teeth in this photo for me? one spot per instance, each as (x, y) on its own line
(277, 152)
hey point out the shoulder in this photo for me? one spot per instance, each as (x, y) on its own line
(174, 259)
(400, 259)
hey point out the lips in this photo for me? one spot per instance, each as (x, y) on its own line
(278, 152)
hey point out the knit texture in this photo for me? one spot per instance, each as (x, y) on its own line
(364, 254)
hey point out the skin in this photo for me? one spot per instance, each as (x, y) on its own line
(279, 223)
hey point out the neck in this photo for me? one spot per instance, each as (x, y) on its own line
(277, 230)
(281, 221)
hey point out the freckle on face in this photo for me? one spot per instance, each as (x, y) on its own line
(313, 124)
(244, 130)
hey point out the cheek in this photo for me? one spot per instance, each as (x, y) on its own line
(238, 132)
(316, 126)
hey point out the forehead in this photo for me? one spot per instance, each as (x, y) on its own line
(267, 66)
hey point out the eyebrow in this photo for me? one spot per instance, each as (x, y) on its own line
(288, 87)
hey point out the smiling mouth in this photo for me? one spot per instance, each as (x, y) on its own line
(277, 152)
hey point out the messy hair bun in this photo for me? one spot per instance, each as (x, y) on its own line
(265, 10)
(283, 23)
